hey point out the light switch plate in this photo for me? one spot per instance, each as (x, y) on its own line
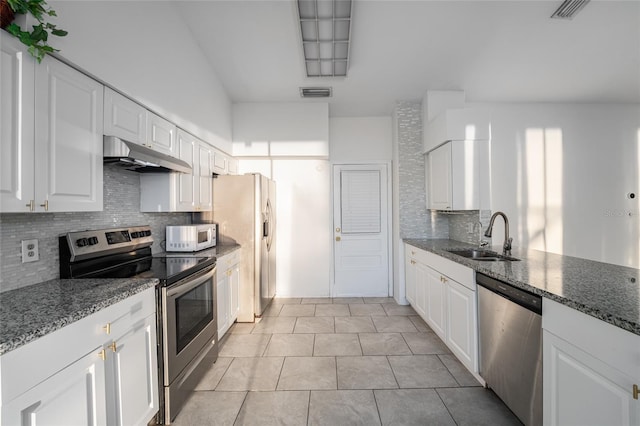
(30, 252)
(470, 228)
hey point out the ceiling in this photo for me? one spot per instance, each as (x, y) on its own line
(493, 50)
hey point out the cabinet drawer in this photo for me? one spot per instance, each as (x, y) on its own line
(34, 362)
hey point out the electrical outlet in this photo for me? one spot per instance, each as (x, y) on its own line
(470, 228)
(30, 252)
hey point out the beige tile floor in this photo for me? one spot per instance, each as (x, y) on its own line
(341, 361)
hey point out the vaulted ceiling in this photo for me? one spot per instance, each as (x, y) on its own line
(493, 50)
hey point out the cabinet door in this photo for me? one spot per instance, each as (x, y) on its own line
(161, 134)
(205, 187)
(461, 323)
(219, 163)
(234, 283)
(436, 302)
(17, 75)
(187, 184)
(132, 390)
(73, 396)
(68, 134)
(223, 304)
(439, 178)
(232, 166)
(421, 280)
(410, 279)
(580, 389)
(124, 118)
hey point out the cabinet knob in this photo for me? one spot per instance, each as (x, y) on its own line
(45, 205)
(636, 391)
(107, 328)
(31, 205)
(102, 355)
(113, 347)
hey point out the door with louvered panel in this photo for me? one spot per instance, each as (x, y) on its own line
(361, 234)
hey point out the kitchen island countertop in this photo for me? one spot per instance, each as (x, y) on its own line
(605, 291)
(31, 312)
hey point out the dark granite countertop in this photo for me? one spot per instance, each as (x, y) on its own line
(605, 291)
(31, 312)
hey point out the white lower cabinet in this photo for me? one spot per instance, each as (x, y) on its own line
(228, 289)
(443, 293)
(591, 370)
(99, 370)
(75, 395)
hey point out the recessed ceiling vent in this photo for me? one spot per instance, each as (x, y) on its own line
(315, 92)
(569, 8)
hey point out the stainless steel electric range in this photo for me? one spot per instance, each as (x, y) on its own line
(186, 301)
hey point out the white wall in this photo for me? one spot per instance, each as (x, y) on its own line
(303, 223)
(144, 50)
(281, 129)
(562, 172)
(360, 139)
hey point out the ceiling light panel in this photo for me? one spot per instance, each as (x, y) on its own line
(325, 27)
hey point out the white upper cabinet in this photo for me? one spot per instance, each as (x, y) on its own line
(124, 118)
(181, 192)
(457, 124)
(186, 184)
(132, 122)
(457, 176)
(161, 134)
(17, 75)
(51, 155)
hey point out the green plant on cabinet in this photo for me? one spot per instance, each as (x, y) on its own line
(37, 39)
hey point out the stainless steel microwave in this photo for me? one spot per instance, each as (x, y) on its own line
(191, 237)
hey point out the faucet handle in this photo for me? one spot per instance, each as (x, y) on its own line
(507, 246)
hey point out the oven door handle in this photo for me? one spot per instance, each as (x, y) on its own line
(190, 282)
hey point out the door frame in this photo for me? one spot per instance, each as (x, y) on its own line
(390, 250)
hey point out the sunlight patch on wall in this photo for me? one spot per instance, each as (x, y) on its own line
(543, 189)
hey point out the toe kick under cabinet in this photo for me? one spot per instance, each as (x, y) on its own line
(443, 293)
(99, 370)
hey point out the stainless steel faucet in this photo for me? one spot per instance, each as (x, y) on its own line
(506, 246)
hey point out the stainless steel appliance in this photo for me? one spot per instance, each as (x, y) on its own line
(186, 301)
(244, 208)
(190, 237)
(510, 336)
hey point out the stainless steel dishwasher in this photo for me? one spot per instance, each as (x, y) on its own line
(510, 336)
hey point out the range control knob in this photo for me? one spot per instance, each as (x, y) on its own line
(134, 235)
(147, 232)
(81, 242)
(93, 241)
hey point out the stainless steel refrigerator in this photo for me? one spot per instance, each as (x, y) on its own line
(244, 209)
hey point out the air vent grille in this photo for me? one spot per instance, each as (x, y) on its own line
(315, 92)
(569, 8)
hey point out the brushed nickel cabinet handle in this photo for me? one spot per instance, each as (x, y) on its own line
(31, 205)
(102, 355)
(636, 391)
(45, 205)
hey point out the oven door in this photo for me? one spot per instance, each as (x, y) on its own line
(189, 320)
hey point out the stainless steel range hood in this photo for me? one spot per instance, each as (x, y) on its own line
(138, 158)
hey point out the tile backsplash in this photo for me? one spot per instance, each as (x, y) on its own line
(459, 225)
(121, 208)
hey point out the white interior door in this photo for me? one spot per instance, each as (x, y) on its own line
(361, 249)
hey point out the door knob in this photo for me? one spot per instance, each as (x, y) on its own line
(337, 238)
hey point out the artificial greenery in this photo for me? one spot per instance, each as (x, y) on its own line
(37, 39)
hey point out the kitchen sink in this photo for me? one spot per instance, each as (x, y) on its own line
(483, 255)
